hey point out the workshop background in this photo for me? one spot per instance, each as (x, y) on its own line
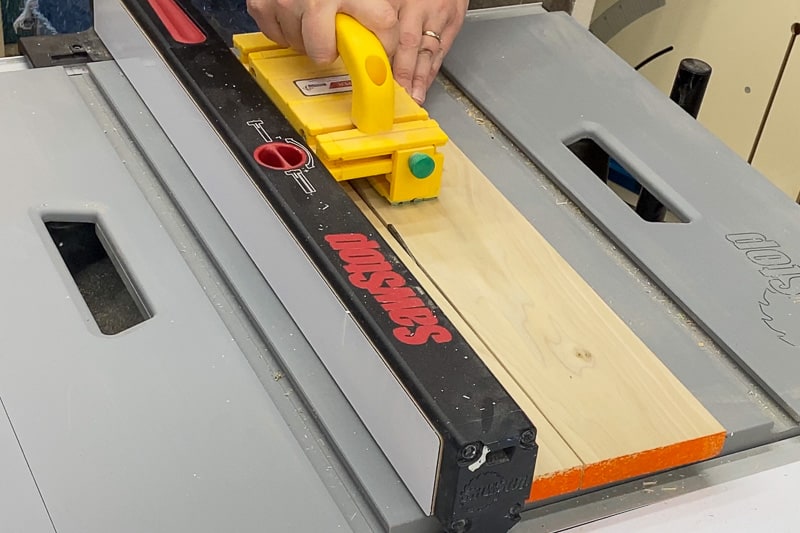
(750, 101)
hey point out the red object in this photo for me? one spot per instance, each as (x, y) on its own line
(180, 27)
(280, 156)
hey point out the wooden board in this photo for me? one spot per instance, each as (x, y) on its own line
(606, 407)
(558, 469)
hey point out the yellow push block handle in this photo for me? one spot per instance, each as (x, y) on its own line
(373, 85)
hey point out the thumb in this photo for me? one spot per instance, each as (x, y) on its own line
(378, 16)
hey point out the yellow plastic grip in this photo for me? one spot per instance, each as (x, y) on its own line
(373, 85)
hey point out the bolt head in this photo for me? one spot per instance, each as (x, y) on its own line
(527, 438)
(458, 526)
(469, 452)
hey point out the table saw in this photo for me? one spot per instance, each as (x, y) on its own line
(255, 390)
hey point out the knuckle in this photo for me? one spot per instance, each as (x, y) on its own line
(386, 17)
(409, 39)
(320, 55)
(320, 59)
(255, 7)
(403, 73)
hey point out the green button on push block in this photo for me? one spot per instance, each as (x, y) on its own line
(421, 165)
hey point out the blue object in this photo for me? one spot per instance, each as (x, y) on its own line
(622, 177)
(23, 18)
(67, 16)
(48, 17)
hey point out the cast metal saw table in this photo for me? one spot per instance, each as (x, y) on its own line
(224, 408)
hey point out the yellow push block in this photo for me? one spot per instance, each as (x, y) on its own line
(248, 43)
(404, 182)
(353, 115)
(352, 144)
(351, 170)
(371, 74)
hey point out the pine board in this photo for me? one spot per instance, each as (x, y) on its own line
(577, 369)
(558, 469)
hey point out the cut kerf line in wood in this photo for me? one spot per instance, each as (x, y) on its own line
(554, 482)
(558, 469)
(604, 392)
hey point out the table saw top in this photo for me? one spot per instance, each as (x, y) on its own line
(613, 259)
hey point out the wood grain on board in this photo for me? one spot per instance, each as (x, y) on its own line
(558, 469)
(606, 408)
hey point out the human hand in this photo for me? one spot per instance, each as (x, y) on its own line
(309, 26)
(426, 31)
(416, 34)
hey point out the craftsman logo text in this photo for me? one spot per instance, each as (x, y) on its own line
(326, 85)
(780, 303)
(368, 270)
(486, 489)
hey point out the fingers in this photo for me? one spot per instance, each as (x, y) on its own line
(448, 37)
(408, 46)
(309, 26)
(318, 26)
(378, 16)
(289, 24)
(438, 59)
(265, 17)
(419, 56)
(428, 51)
